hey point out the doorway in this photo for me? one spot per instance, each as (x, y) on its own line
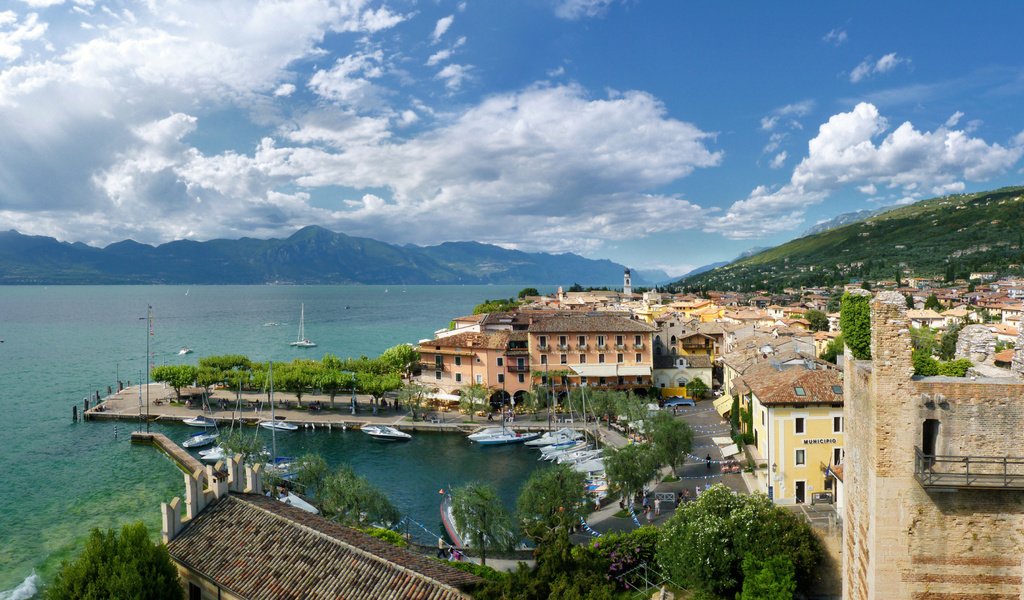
(800, 491)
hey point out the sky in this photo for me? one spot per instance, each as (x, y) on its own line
(658, 134)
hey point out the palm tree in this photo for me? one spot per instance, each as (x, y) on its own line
(483, 520)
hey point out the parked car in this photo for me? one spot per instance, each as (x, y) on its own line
(672, 402)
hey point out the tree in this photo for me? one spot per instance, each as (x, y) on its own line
(773, 579)
(482, 519)
(237, 442)
(489, 306)
(400, 359)
(932, 303)
(378, 385)
(351, 500)
(414, 396)
(311, 472)
(530, 291)
(176, 376)
(128, 565)
(208, 377)
(855, 322)
(552, 499)
(704, 544)
(947, 345)
(630, 468)
(923, 338)
(817, 319)
(910, 301)
(696, 388)
(833, 349)
(473, 395)
(672, 439)
(330, 378)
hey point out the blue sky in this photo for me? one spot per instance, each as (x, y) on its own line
(657, 134)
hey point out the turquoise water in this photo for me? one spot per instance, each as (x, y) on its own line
(60, 479)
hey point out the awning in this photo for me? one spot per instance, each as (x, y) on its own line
(722, 441)
(723, 405)
(440, 396)
(594, 370)
(730, 450)
(630, 371)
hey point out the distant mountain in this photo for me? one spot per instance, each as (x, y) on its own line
(950, 236)
(312, 255)
(705, 268)
(844, 219)
(651, 277)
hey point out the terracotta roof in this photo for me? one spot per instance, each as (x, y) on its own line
(1004, 356)
(258, 547)
(775, 385)
(495, 340)
(589, 323)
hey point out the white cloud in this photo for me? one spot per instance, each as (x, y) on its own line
(11, 40)
(348, 82)
(454, 75)
(556, 72)
(954, 119)
(42, 3)
(867, 67)
(439, 57)
(284, 90)
(573, 10)
(779, 160)
(868, 189)
(836, 37)
(441, 27)
(845, 154)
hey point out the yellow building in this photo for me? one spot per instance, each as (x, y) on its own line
(795, 412)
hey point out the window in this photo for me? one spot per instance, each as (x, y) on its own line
(563, 360)
(520, 363)
(458, 377)
(522, 378)
(801, 457)
(837, 424)
(600, 358)
(501, 361)
(602, 381)
(799, 425)
(543, 359)
(437, 375)
(638, 340)
(639, 357)
(799, 391)
(763, 419)
(600, 341)
(618, 340)
(838, 389)
(542, 340)
(458, 361)
(438, 361)
(563, 340)
(501, 378)
(581, 340)
(194, 592)
(837, 456)
(618, 358)
(583, 358)
(480, 379)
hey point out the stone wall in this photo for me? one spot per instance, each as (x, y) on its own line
(902, 540)
(976, 342)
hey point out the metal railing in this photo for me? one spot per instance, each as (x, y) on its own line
(987, 472)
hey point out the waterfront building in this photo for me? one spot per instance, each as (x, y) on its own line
(933, 476)
(597, 350)
(497, 360)
(681, 354)
(235, 543)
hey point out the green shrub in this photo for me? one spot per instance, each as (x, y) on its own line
(924, 363)
(955, 368)
(855, 321)
(479, 570)
(392, 537)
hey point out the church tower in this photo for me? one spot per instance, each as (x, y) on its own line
(627, 285)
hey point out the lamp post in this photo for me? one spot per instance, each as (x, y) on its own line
(149, 334)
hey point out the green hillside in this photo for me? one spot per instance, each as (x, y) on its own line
(949, 237)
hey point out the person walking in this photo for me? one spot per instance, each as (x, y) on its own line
(709, 461)
(440, 548)
(657, 506)
(649, 514)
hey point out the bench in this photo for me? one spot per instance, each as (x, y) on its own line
(821, 498)
(667, 498)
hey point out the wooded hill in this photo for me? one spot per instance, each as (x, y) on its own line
(950, 236)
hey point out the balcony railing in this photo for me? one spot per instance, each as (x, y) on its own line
(984, 472)
(543, 348)
(563, 347)
(602, 347)
(518, 368)
(620, 346)
(639, 346)
(432, 366)
(582, 347)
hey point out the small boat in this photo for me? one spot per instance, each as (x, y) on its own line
(184, 350)
(213, 454)
(448, 520)
(279, 425)
(298, 502)
(302, 341)
(271, 324)
(200, 421)
(385, 433)
(578, 456)
(494, 436)
(554, 437)
(555, 453)
(199, 440)
(590, 466)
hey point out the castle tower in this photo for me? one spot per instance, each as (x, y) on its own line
(927, 514)
(627, 285)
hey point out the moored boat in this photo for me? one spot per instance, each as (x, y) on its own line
(385, 433)
(556, 437)
(212, 454)
(490, 437)
(448, 520)
(199, 440)
(199, 421)
(279, 425)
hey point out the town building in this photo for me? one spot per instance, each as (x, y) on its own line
(497, 360)
(933, 475)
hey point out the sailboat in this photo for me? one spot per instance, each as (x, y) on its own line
(302, 341)
(275, 424)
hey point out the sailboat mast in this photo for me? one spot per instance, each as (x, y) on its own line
(273, 419)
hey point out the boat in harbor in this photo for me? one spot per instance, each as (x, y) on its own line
(200, 421)
(184, 350)
(556, 437)
(302, 341)
(385, 433)
(553, 452)
(448, 520)
(213, 454)
(279, 425)
(198, 440)
(493, 436)
(297, 501)
(578, 456)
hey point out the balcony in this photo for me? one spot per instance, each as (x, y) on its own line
(601, 347)
(582, 347)
(432, 366)
(543, 348)
(979, 472)
(518, 368)
(563, 347)
(639, 346)
(620, 347)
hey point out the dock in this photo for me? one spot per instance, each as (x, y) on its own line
(185, 461)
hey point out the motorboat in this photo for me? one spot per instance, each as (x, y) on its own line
(448, 520)
(551, 452)
(494, 436)
(555, 437)
(595, 465)
(200, 421)
(296, 501)
(213, 454)
(199, 440)
(385, 433)
(279, 425)
(184, 350)
(577, 456)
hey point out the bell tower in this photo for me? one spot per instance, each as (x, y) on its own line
(627, 285)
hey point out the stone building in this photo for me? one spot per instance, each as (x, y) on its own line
(934, 494)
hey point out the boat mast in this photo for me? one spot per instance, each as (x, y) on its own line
(273, 419)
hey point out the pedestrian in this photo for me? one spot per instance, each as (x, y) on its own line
(646, 502)
(709, 461)
(650, 515)
(696, 491)
(440, 548)
(657, 507)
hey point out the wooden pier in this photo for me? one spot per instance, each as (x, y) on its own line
(185, 461)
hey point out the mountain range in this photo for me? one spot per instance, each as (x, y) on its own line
(312, 255)
(950, 236)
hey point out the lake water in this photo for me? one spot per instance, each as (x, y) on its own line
(61, 479)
